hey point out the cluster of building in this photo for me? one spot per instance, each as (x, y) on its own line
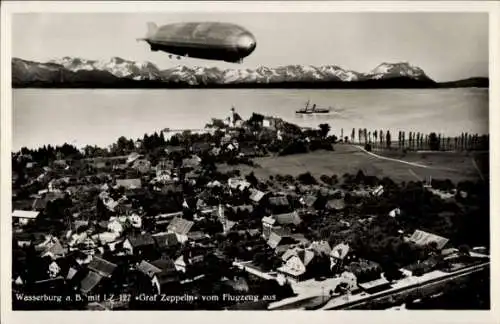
(90, 226)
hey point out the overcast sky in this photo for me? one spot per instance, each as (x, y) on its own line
(447, 46)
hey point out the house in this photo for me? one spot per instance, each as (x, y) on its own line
(247, 208)
(54, 269)
(135, 221)
(269, 222)
(72, 271)
(279, 201)
(102, 267)
(248, 151)
(139, 244)
(308, 201)
(132, 157)
(335, 204)
(23, 239)
(164, 166)
(256, 195)
(227, 225)
(269, 122)
(197, 236)
(115, 226)
(281, 238)
(292, 218)
(337, 256)
(165, 240)
(378, 191)
(23, 217)
(60, 163)
(395, 212)
(450, 253)
(296, 262)
(142, 165)
(99, 269)
(129, 183)
(253, 232)
(161, 272)
(105, 237)
(54, 250)
(235, 183)
(321, 247)
(267, 226)
(90, 282)
(174, 149)
(200, 147)
(180, 227)
(192, 162)
(181, 263)
(422, 238)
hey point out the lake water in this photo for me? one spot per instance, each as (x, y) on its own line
(88, 116)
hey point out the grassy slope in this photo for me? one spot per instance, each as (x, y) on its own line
(348, 159)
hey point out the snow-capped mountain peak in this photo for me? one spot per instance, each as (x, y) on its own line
(198, 75)
(392, 70)
(117, 66)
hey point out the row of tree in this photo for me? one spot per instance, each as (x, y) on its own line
(419, 141)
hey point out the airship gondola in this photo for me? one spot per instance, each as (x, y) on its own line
(203, 40)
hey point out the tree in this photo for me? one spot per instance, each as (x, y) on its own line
(341, 133)
(365, 135)
(324, 129)
(388, 139)
(433, 142)
(353, 133)
(375, 137)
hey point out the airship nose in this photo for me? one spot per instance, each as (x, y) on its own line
(246, 43)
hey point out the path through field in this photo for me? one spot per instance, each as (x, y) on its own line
(401, 161)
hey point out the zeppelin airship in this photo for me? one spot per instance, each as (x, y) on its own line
(203, 40)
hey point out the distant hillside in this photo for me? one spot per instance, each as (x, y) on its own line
(467, 83)
(120, 73)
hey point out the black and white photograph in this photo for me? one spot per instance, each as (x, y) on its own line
(249, 160)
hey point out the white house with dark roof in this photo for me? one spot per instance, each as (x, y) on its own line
(160, 272)
(422, 238)
(296, 261)
(338, 254)
(129, 183)
(24, 217)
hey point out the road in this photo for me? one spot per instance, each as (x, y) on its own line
(249, 269)
(403, 287)
(401, 161)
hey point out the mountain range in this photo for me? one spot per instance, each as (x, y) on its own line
(69, 72)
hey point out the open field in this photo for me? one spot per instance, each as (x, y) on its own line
(349, 159)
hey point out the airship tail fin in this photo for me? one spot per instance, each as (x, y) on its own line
(152, 28)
